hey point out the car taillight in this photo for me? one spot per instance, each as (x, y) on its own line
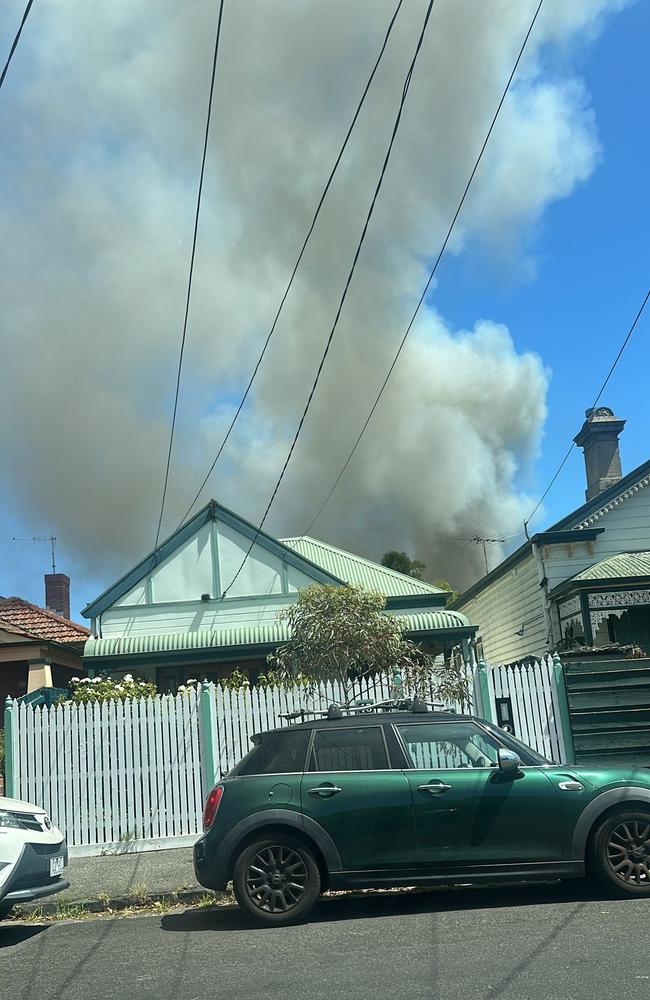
(211, 806)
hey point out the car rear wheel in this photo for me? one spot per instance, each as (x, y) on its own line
(276, 880)
(620, 852)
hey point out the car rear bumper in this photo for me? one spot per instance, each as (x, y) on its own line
(209, 873)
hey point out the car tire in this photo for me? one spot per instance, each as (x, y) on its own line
(276, 880)
(619, 854)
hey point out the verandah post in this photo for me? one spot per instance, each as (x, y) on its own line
(207, 733)
(563, 705)
(483, 686)
(10, 763)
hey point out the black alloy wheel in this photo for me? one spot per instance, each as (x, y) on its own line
(620, 855)
(276, 880)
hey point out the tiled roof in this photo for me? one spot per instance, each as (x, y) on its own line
(623, 565)
(262, 634)
(357, 570)
(39, 622)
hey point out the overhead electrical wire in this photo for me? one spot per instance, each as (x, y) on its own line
(298, 261)
(431, 275)
(382, 173)
(191, 271)
(593, 407)
(15, 42)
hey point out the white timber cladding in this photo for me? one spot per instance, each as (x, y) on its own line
(510, 615)
(627, 529)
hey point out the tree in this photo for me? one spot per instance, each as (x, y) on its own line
(453, 594)
(339, 633)
(401, 562)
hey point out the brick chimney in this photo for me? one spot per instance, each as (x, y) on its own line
(598, 437)
(57, 593)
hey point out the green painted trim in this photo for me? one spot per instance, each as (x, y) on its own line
(207, 730)
(431, 600)
(484, 691)
(565, 716)
(461, 632)
(207, 654)
(586, 619)
(10, 777)
(216, 568)
(595, 585)
(255, 601)
(564, 537)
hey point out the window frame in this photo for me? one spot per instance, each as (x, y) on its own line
(359, 770)
(486, 730)
(262, 774)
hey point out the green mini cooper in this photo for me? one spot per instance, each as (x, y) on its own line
(407, 798)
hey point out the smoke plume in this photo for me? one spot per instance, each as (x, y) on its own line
(101, 123)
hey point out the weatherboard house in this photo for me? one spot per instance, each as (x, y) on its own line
(169, 620)
(582, 586)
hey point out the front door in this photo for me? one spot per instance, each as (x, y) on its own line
(467, 812)
(350, 789)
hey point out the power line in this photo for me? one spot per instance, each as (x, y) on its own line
(593, 407)
(191, 271)
(431, 275)
(298, 261)
(405, 90)
(15, 42)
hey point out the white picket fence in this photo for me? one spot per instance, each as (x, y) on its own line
(131, 776)
(116, 774)
(534, 700)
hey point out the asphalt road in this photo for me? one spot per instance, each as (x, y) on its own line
(546, 942)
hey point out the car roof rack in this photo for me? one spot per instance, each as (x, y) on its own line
(335, 711)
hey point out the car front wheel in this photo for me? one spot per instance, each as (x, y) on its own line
(620, 852)
(276, 880)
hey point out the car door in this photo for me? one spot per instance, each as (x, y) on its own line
(350, 789)
(468, 812)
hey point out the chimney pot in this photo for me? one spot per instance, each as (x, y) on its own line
(57, 593)
(598, 437)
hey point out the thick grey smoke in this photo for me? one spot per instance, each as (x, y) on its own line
(101, 129)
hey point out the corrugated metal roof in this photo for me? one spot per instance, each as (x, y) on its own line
(357, 570)
(271, 633)
(618, 567)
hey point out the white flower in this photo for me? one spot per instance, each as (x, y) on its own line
(182, 688)
(97, 680)
(85, 680)
(128, 677)
(74, 680)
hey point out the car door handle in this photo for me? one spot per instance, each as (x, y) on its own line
(324, 791)
(434, 787)
(570, 786)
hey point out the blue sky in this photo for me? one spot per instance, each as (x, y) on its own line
(589, 251)
(592, 254)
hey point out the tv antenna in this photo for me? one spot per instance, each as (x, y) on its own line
(39, 538)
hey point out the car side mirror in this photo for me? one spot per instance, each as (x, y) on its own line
(509, 761)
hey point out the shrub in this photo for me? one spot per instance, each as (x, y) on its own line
(87, 689)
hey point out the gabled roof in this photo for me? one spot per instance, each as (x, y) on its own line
(24, 618)
(583, 517)
(359, 571)
(211, 512)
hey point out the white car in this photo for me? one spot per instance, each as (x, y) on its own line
(33, 854)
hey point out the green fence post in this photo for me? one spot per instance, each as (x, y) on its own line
(484, 690)
(563, 704)
(10, 764)
(207, 734)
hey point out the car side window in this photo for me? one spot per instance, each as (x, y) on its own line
(280, 752)
(348, 749)
(442, 746)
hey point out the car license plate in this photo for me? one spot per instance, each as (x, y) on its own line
(57, 865)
